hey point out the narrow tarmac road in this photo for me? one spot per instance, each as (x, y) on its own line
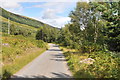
(50, 64)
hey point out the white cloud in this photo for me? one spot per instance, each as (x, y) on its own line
(58, 22)
(41, 0)
(57, 7)
(10, 5)
(50, 13)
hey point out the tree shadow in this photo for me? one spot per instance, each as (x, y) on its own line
(58, 57)
(25, 77)
(55, 46)
(54, 50)
(61, 75)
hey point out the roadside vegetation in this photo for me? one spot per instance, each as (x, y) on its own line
(19, 45)
(92, 65)
(91, 41)
(17, 51)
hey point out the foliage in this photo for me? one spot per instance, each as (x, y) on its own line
(9, 69)
(47, 34)
(106, 64)
(112, 31)
(94, 31)
(16, 29)
(18, 50)
(92, 24)
(41, 44)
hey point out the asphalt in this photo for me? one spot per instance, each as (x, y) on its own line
(50, 64)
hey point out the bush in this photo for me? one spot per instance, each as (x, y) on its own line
(105, 66)
(90, 47)
(75, 45)
(41, 44)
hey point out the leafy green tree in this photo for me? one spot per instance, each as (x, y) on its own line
(112, 31)
(47, 34)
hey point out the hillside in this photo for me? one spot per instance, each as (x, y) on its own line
(22, 19)
(21, 25)
(20, 45)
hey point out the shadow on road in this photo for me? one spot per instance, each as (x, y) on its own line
(58, 76)
(58, 57)
(55, 46)
(61, 75)
(54, 50)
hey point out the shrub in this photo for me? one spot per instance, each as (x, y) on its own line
(90, 47)
(41, 44)
(105, 66)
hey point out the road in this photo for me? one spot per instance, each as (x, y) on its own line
(50, 64)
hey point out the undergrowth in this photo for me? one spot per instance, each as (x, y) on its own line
(17, 51)
(106, 64)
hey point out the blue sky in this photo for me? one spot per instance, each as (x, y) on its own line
(53, 13)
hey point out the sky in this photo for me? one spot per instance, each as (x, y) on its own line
(52, 12)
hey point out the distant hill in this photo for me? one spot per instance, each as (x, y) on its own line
(21, 25)
(22, 19)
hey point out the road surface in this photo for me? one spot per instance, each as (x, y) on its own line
(50, 64)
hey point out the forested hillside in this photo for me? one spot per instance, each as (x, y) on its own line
(15, 24)
(22, 19)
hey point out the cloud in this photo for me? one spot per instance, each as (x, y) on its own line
(10, 5)
(58, 7)
(41, 0)
(58, 22)
(49, 12)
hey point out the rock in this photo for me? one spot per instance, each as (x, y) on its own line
(1, 64)
(6, 44)
(87, 61)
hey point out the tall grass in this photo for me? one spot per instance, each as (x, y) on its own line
(106, 64)
(17, 51)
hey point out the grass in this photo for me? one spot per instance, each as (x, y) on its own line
(106, 64)
(15, 23)
(17, 51)
(21, 61)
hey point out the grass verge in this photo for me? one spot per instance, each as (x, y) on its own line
(20, 62)
(106, 64)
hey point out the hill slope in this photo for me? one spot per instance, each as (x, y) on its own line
(20, 25)
(22, 19)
